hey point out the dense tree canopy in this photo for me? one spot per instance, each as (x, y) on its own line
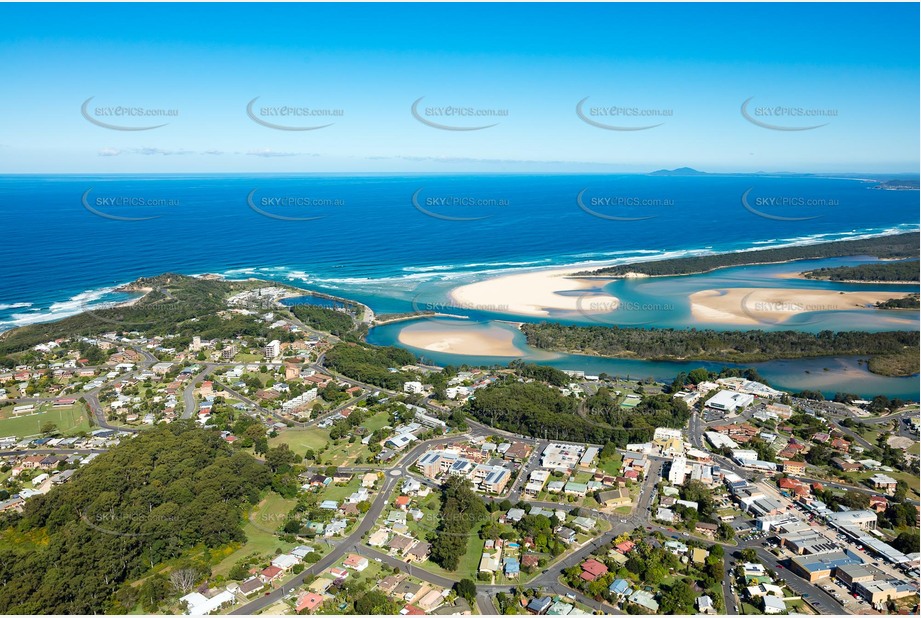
(321, 318)
(730, 346)
(897, 246)
(371, 364)
(144, 502)
(461, 512)
(536, 409)
(906, 270)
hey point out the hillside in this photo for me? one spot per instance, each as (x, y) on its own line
(149, 500)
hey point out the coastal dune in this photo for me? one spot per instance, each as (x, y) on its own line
(535, 294)
(774, 305)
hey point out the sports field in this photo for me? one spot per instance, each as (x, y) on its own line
(69, 420)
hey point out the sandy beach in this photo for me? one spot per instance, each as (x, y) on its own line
(474, 340)
(141, 291)
(535, 294)
(772, 305)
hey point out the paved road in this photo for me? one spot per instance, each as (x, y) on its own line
(349, 543)
(485, 604)
(190, 409)
(92, 397)
(92, 401)
(816, 597)
(549, 579)
(365, 525)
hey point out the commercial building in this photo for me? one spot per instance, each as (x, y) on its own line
(719, 440)
(561, 456)
(819, 566)
(878, 592)
(728, 401)
(863, 519)
(850, 574)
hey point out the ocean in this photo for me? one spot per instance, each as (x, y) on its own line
(385, 240)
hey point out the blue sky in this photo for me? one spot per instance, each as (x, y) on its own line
(697, 63)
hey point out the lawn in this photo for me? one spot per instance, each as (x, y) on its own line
(70, 420)
(299, 440)
(263, 520)
(469, 562)
(344, 453)
(378, 421)
(431, 506)
(612, 465)
(338, 453)
(799, 607)
(340, 492)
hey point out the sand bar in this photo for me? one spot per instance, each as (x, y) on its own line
(461, 339)
(535, 294)
(773, 305)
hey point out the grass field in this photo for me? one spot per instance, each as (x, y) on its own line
(338, 453)
(469, 562)
(70, 420)
(299, 440)
(264, 519)
(341, 492)
(612, 465)
(378, 421)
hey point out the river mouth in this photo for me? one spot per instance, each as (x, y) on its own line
(491, 338)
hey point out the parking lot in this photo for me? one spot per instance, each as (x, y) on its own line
(837, 590)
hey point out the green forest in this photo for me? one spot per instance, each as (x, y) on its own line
(147, 501)
(534, 409)
(912, 301)
(884, 247)
(371, 364)
(729, 346)
(326, 320)
(906, 270)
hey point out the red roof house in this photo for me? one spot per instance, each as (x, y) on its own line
(592, 569)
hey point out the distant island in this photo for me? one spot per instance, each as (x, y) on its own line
(681, 171)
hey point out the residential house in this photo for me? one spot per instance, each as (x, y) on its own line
(592, 570)
(418, 552)
(254, 584)
(539, 605)
(307, 602)
(270, 574)
(356, 562)
(707, 529)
